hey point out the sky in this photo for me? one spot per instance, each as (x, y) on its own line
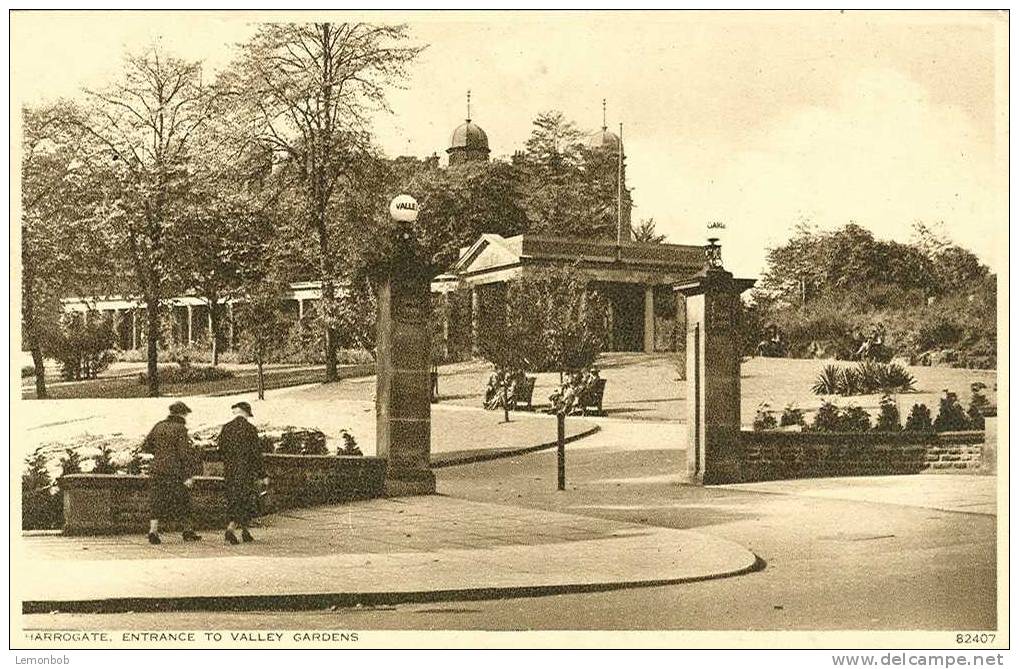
(759, 120)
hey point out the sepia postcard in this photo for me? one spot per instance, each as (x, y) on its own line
(511, 329)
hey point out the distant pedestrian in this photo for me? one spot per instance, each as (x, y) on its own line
(241, 452)
(174, 467)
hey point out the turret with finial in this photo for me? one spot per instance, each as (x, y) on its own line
(469, 142)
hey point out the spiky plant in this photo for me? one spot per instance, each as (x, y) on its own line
(827, 382)
(850, 382)
(894, 378)
(869, 375)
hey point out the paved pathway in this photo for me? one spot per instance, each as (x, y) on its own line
(944, 492)
(407, 549)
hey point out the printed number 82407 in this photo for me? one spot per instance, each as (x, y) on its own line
(976, 637)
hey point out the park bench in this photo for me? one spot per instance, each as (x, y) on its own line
(591, 398)
(524, 393)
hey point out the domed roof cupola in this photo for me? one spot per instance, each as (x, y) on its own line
(469, 136)
(604, 138)
(469, 142)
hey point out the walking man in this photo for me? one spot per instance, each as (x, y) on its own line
(174, 466)
(242, 467)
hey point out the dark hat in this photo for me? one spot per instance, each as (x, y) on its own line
(245, 407)
(179, 409)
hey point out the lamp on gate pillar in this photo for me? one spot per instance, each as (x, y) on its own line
(713, 251)
(403, 391)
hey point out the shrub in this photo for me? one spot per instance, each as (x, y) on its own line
(188, 373)
(868, 376)
(70, 463)
(103, 462)
(826, 419)
(27, 371)
(765, 418)
(821, 326)
(830, 418)
(349, 444)
(791, 415)
(135, 465)
(888, 420)
(82, 346)
(919, 419)
(893, 377)
(851, 382)
(174, 353)
(951, 416)
(854, 419)
(302, 442)
(978, 406)
(42, 506)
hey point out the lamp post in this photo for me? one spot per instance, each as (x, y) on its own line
(403, 210)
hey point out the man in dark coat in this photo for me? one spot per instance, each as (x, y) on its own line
(242, 468)
(171, 473)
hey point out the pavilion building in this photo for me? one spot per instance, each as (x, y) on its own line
(635, 277)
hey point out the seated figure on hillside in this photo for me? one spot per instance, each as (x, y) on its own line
(873, 343)
(566, 398)
(514, 380)
(493, 392)
(772, 345)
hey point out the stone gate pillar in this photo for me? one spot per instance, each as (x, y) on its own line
(712, 374)
(403, 407)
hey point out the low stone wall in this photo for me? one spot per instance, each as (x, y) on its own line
(774, 455)
(114, 503)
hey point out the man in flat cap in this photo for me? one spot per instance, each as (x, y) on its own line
(175, 463)
(241, 452)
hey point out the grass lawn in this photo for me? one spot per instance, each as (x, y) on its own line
(246, 381)
(652, 386)
(640, 386)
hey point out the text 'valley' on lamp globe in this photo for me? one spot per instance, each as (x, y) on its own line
(403, 208)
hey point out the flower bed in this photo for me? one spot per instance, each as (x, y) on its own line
(118, 455)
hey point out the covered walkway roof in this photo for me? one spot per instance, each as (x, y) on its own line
(493, 259)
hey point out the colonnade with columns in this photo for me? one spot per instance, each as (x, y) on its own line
(190, 316)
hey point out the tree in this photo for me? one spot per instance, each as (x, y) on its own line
(263, 324)
(645, 232)
(307, 91)
(555, 143)
(568, 189)
(551, 165)
(553, 321)
(222, 243)
(145, 126)
(356, 316)
(791, 272)
(64, 248)
(462, 202)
